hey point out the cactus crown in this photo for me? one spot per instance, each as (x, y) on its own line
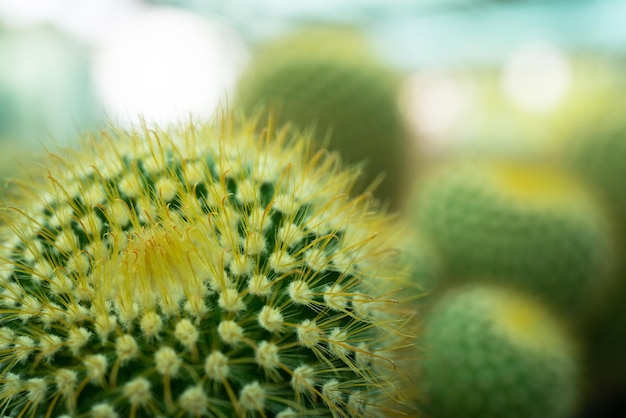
(495, 352)
(534, 184)
(202, 271)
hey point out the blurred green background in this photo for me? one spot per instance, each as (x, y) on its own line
(539, 82)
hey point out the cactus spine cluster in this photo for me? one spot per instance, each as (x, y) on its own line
(494, 353)
(200, 271)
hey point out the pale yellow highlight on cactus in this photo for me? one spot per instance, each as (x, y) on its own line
(158, 260)
(535, 184)
(525, 322)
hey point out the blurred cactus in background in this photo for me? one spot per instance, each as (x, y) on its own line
(594, 148)
(527, 225)
(494, 353)
(328, 78)
(202, 271)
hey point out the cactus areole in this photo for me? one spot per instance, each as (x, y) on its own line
(203, 270)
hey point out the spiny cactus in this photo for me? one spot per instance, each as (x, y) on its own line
(493, 353)
(202, 271)
(329, 79)
(533, 226)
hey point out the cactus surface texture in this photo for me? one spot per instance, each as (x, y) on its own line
(534, 227)
(328, 78)
(493, 353)
(599, 156)
(200, 271)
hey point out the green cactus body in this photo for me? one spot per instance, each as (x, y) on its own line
(328, 79)
(597, 153)
(202, 271)
(599, 157)
(493, 353)
(535, 227)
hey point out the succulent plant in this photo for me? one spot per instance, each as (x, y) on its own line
(598, 154)
(596, 151)
(494, 353)
(329, 79)
(200, 270)
(531, 226)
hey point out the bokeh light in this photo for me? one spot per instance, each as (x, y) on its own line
(165, 64)
(536, 77)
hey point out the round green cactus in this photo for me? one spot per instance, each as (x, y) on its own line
(327, 78)
(493, 353)
(201, 271)
(533, 226)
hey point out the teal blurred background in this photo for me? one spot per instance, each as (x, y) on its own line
(509, 79)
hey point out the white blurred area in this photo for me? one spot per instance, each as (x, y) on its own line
(536, 77)
(434, 104)
(163, 65)
(150, 63)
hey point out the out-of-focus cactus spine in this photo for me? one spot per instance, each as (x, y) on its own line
(204, 271)
(495, 353)
(329, 79)
(532, 226)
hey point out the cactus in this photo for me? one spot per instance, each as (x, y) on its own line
(599, 157)
(327, 78)
(533, 226)
(494, 353)
(596, 151)
(202, 271)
